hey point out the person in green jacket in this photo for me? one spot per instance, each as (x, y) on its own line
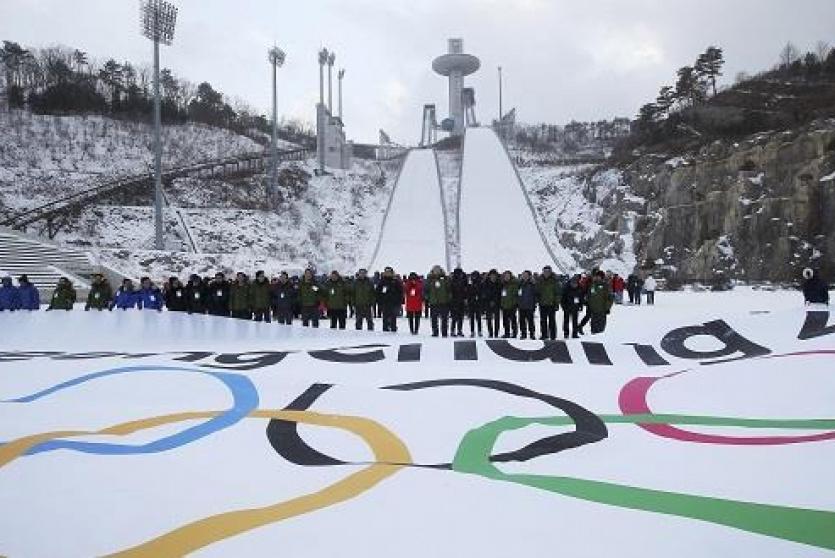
(240, 305)
(310, 296)
(509, 303)
(600, 302)
(363, 297)
(438, 296)
(261, 297)
(64, 296)
(336, 299)
(101, 294)
(549, 294)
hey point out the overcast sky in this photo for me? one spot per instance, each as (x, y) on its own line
(562, 59)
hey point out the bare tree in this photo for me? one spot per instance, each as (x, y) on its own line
(822, 50)
(789, 55)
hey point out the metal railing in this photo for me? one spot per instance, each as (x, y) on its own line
(62, 205)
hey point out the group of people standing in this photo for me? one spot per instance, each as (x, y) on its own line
(502, 304)
(498, 304)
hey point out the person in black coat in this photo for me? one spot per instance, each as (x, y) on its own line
(284, 299)
(474, 309)
(573, 300)
(389, 299)
(175, 296)
(815, 289)
(458, 301)
(196, 295)
(491, 294)
(218, 296)
(527, 305)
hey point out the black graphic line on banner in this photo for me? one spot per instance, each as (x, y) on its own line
(589, 428)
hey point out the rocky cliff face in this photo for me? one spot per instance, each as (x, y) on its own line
(759, 210)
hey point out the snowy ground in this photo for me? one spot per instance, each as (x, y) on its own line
(332, 222)
(737, 463)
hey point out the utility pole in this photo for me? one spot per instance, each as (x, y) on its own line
(158, 21)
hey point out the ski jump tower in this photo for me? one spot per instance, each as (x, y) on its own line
(456, 65)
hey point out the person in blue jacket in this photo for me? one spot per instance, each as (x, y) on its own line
(150, 297)
(126, 297)
(9, 296)
(30, 298)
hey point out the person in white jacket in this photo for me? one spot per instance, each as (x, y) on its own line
(649, 287)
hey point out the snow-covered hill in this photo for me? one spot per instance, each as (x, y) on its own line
(47, 157)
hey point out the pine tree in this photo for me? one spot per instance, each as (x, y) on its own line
(666, 99)
(709, 65)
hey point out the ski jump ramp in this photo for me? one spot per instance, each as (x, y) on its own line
(497, 225)
(413, 236)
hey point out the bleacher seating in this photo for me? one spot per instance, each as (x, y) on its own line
(43, 263)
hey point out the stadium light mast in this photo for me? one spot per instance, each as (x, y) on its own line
(320, 109)
(339, 76)
(331, 60)
(158, 21)
(276, 57)
(501, 113)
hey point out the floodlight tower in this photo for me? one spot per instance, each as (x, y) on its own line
(320, 123)
(339, 75)
(331, 60)
(158, 21)
(455, 65)
(276, 57)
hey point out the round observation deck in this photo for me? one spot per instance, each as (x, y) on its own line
(448, 63)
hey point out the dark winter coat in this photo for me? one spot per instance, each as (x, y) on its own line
(491, 295)
(573, 298)
(309, 294)
(509, 295)
(176, 299)
(100, 296)
(389, 292)
(816, 291)
(217, 295)
(149, 299)
(438, 290)
(474, 292)
(284, 295)
(260, 295)
(239, 297)
(196, 297)
(549, 291)
(600, 297)
(527, 295)
(336, 294)
(63, 298)
(458, 291)
(363, 294)
(30, 298)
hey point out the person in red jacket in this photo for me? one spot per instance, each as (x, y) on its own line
(618, 286)
(413, 293)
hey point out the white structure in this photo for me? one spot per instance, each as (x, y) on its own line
(455, 65)
(332, 148)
